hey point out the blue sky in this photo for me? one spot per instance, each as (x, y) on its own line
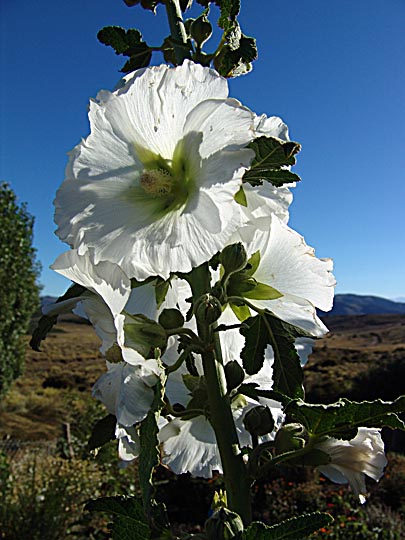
(333, 71)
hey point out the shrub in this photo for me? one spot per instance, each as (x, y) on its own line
(19, 291)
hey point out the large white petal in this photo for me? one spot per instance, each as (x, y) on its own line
(105, 279)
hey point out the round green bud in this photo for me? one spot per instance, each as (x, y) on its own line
(290, 437)
(208, 309)
(259, 421)
(201, 30)
(171, 318)
(223, 525)
(233, 258)
(234, 375)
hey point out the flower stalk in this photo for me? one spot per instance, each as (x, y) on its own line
(237, 482)
(178, 32)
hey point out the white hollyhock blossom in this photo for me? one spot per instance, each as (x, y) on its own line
(127, 390)
(289, 265)
(351, 460)
(152, 187)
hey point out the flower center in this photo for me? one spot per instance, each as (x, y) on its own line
(156, 182)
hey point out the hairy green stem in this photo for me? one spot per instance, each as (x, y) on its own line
(178, 32)
(237, 482)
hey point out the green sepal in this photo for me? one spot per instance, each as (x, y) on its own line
(103, 432)
(267, 329)
(129, 518)
(242, 312)
(295, 528)
(143, 334)
(341, 419)
(240, 197)
(272, 155)
(47, 322)
(263, 292)
(161, 288)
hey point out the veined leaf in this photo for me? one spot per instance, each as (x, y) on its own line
(129, 518)
(272, 155)
(267, 329)
(339, 419)
(128, 43)
(292, 529)
(103, 432)
(242, 312)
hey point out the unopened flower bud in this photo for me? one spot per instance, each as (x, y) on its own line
(208, 309)
(201, 30)
(223, 525)
(233, 258)
(171, 318)
(259, 421)
(234, 375)
(290, 437)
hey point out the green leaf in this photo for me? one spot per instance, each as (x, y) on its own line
(129, 518)
(292, 529)
(267, 329)
(229, 11)
(149, 459)
(271, 155)
(341, 418)
(128, 43)
(263, 292)
(115, 37)
(276, 177)
(140, 57)
(103, 432)
(232, 61)
(47, 322)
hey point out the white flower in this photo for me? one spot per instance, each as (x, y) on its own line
(351, 460)
(152, 187)
(127, 390)
(289, 265)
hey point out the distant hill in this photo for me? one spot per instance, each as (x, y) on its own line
(356, 304)
(344, 304)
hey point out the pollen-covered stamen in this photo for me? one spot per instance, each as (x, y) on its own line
(156, 182)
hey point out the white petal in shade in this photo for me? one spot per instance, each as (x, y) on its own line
(190, 446)
(129, 445)
(176, 120)
(105, 279)
(127, 390)
(271, 126)
(304, 348)
(351, 460)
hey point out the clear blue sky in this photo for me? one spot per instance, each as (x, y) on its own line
(334, 71)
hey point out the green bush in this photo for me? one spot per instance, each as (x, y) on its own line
(19, 291)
